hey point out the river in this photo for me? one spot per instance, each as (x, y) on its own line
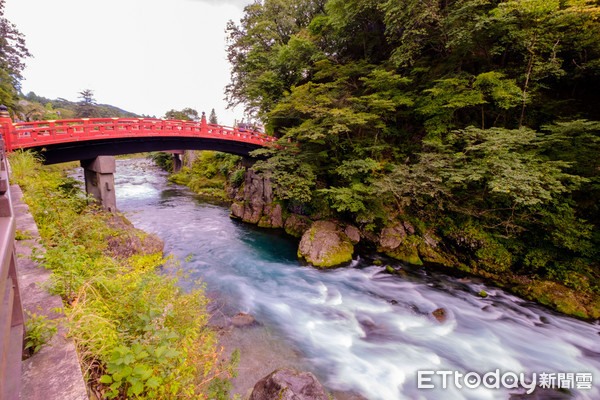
(359, 329)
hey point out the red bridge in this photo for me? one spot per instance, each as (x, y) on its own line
(86, 138)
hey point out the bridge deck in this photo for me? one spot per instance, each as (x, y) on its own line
(43, 133)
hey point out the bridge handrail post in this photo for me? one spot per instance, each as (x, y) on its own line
(6, 127)
(86, 126)
(203, 125)
(52, 129)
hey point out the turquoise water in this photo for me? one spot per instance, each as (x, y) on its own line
(358, 328)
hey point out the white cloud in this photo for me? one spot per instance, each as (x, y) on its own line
(145, 56)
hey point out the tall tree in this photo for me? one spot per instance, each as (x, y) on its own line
(270, 52)
(12, 53)
(212, 119)
(87, 106)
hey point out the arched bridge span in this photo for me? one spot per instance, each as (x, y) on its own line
(91, 140)
(81, 139)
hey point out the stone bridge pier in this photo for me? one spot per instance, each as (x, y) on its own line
(100, 180)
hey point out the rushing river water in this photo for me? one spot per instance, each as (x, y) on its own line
(359, 329)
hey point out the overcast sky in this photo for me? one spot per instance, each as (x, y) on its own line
(145, 56)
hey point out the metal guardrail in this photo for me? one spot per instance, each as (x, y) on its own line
(11, 310)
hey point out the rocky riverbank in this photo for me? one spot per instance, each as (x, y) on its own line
(329, 242)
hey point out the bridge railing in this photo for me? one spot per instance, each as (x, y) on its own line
(11, 310)
(42, 133)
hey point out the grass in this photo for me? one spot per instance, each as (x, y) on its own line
(138, 334)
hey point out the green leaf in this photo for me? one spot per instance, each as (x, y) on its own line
(142, 371)
(106, 379)
(153, 382)
(159, 351)
(170, 353)
(136, 389)
(128, 358)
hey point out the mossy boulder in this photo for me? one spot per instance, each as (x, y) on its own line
(352, 233)
(396, 243)
(560, 298)
(325, 245)
(296, 225)
(430, 252)
(391, 237)
(407, 251)
(129, 240)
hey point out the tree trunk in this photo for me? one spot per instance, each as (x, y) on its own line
(529, 68)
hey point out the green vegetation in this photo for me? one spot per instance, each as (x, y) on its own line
(477, 119)
(38, 331)
(138, 334)
(187, 114)
(13, 51)
(209, 173)
(163, 160)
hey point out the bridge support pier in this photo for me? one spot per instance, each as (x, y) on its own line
(100, 181)
(177, 161)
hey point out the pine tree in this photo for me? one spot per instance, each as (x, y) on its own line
(87, 105)
(212, 119)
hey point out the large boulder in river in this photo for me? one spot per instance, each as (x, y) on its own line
(288, 384)
(325, 245)
(396, 243)
(392, 237)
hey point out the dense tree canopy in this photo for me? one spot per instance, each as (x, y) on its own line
(470, 116)
(187, 114)
(13, 51)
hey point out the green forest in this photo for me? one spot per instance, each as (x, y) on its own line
(475, 120)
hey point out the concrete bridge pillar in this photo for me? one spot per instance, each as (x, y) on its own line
(177, 161)
(100, 181)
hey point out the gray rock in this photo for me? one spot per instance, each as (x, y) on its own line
(254, 200)
(352, 233)
(430, 240)
(324, 245)
(296, 225)
(440, 314)
(410, 229)
(392, 237)
(288, 384)
(242, 319)
(237, 210)
(272, 217)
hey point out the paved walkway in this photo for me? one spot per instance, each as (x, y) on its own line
(53, 373)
